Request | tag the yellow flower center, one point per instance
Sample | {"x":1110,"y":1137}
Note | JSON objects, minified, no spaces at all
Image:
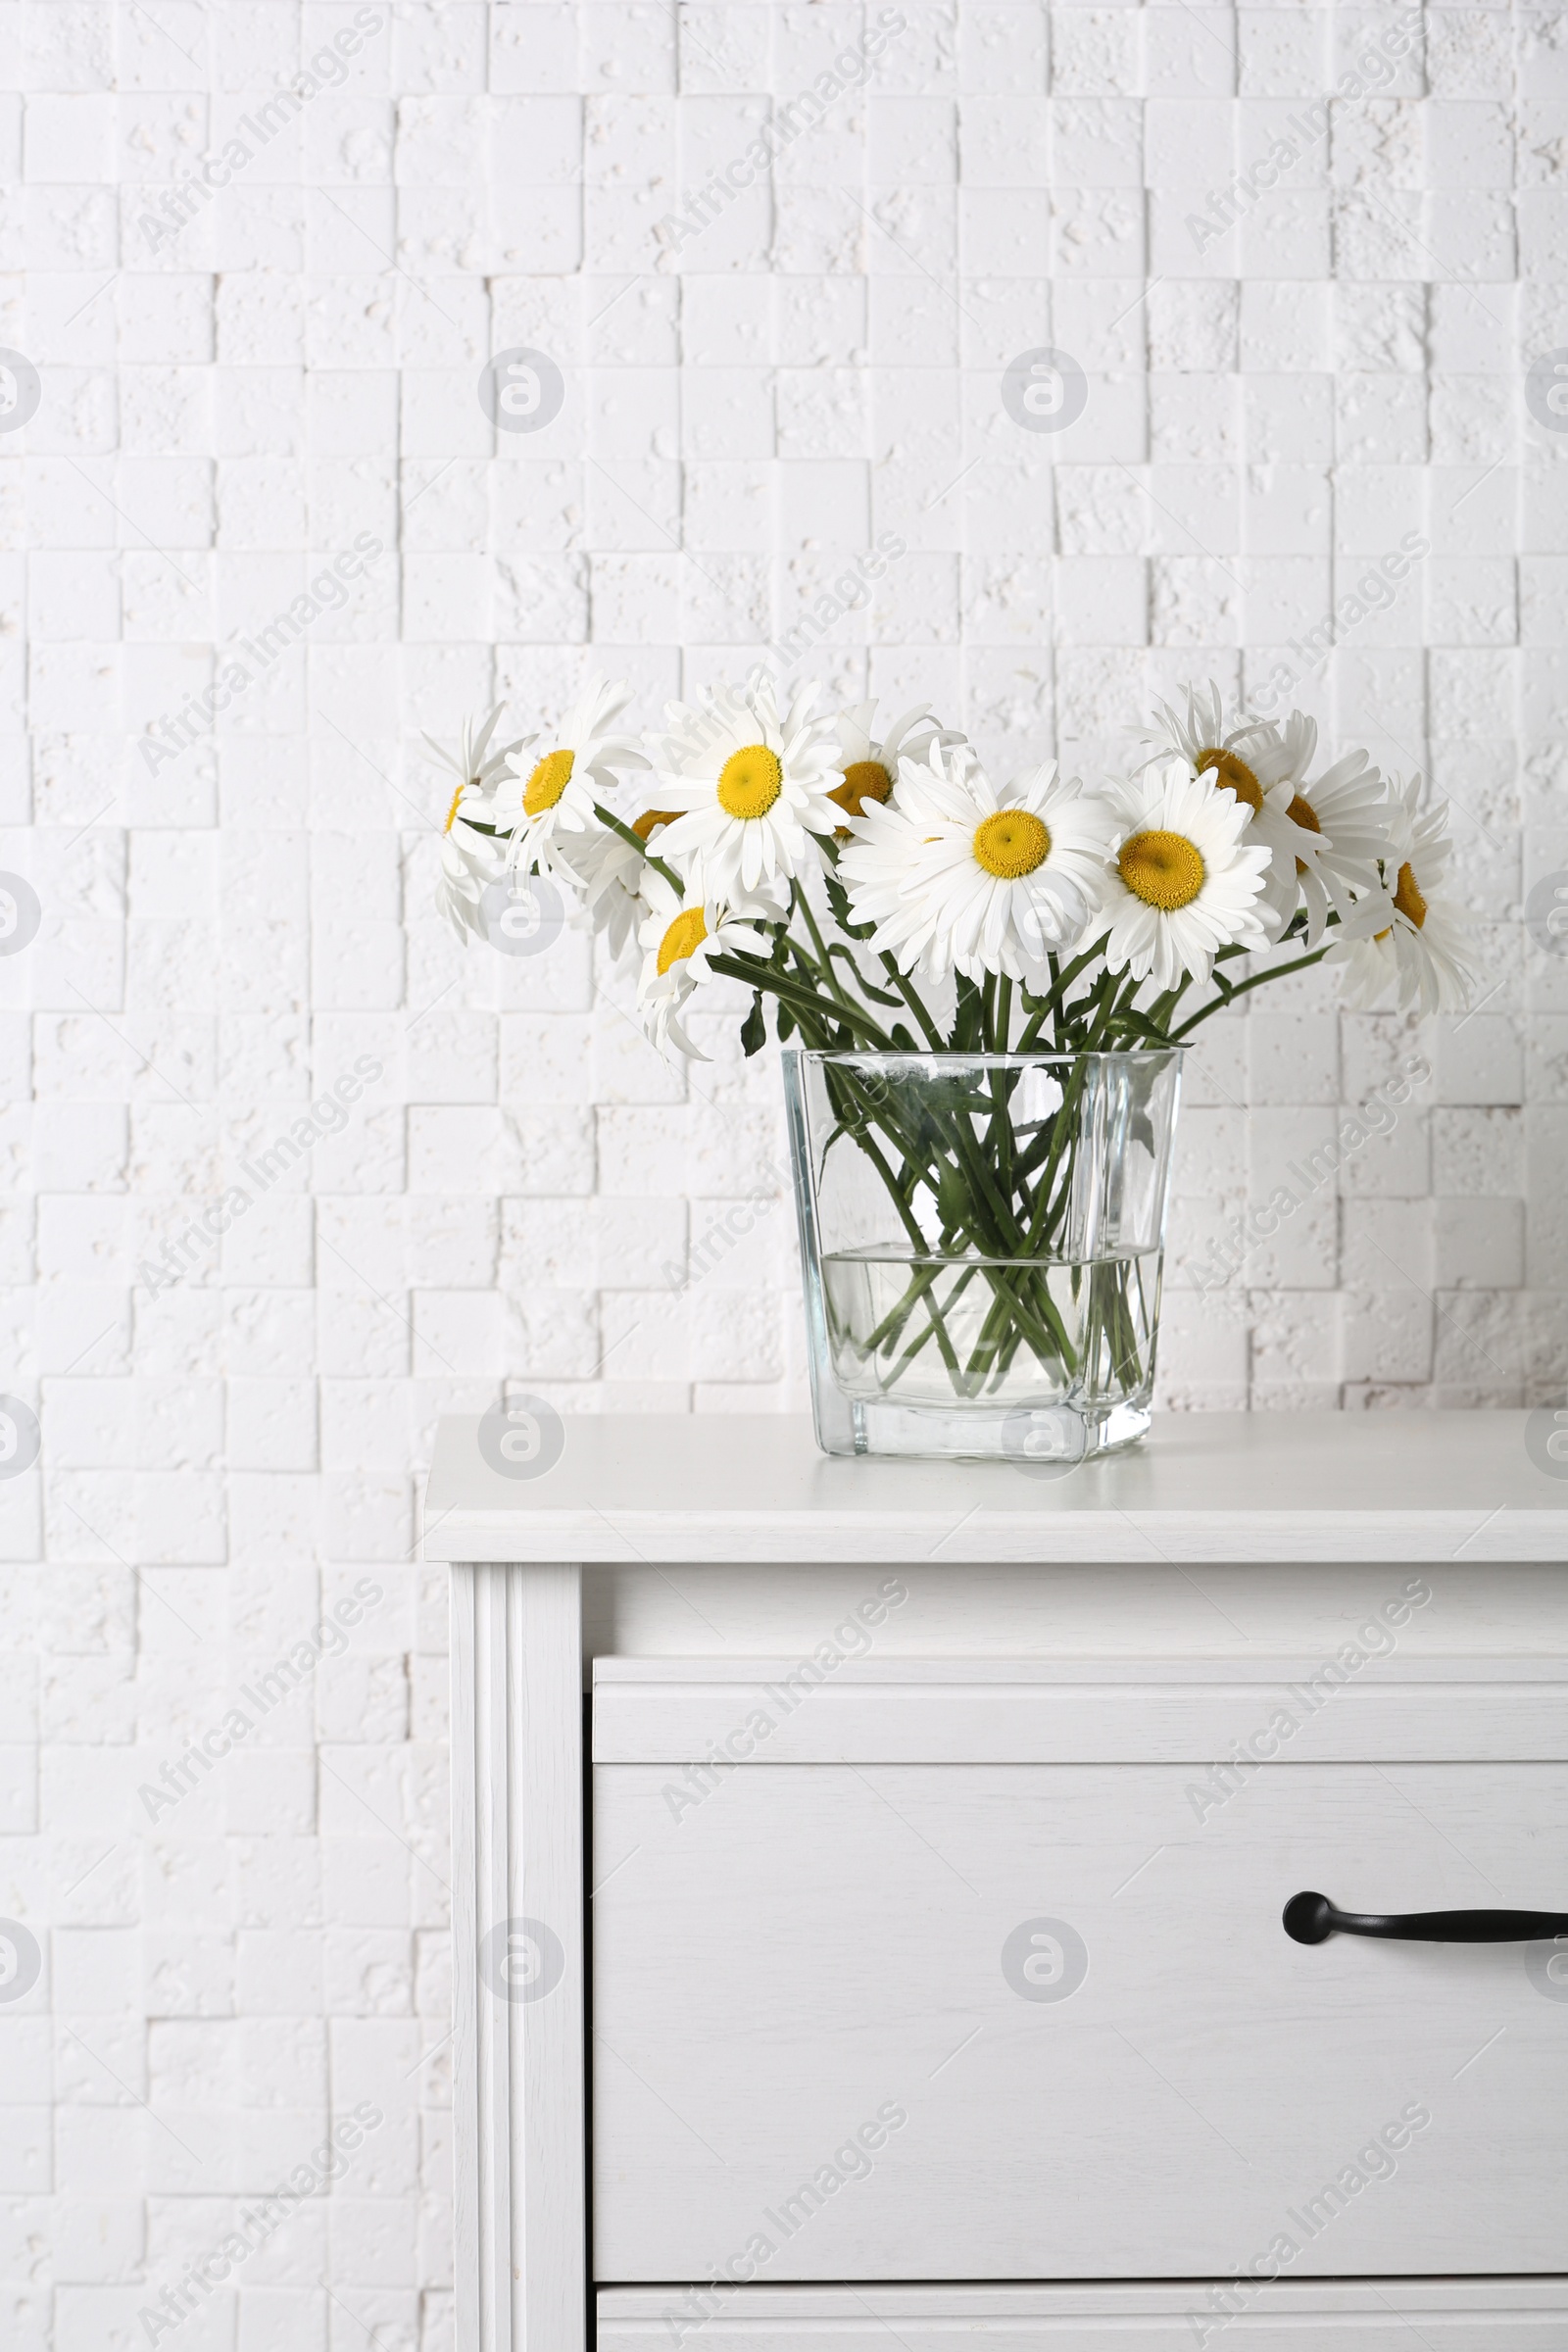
{"x":1302,"y":812}
{"x":1011,"y":844}
{"x":750,"y":781}
{"x":1409,"y":900}
{"x":685,"y":935}
{"x":863,"y":780}
{"x":548,"y":782}
{"x":1163,"y":869}
{"x":457,"y":804}
{"x":1232,"y":774}
{"x":648,"y":825}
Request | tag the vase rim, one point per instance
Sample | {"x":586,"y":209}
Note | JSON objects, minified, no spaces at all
{"x":1025,"y":1060}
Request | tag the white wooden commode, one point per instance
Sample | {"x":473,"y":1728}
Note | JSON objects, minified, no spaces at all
{"x":937,"y":1830}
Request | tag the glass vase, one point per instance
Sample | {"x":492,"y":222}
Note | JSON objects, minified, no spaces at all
{"x":982,"y":1236}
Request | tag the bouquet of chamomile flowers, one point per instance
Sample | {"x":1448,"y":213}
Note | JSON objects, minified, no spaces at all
{"x":897,"y":905}
{"x":886,"y":893}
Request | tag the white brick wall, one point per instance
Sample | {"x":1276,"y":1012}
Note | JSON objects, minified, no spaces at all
{"x":222,"y":938}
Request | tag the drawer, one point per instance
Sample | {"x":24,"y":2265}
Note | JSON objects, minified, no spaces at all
{"x":938,"y":2018}
{"x":1502,"y":2315}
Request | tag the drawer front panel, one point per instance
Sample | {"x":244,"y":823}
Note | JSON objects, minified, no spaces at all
{"x":1359,"y":1702}
{"x":936,"y":2022}
{"x":1305,"y":1718}
{"x":1516,"y":2314}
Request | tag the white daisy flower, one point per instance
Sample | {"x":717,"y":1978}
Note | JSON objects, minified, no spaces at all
{"x":750,"y":788}
{"x":680,"y":935}
{"x":1411,"y":933}
{"x":548,"y":799}
{"x":961,"y":876}
{"x":609,"y":871}
{"x":868,"y":763}
{"x":1185,"y":880}
{"x":1348,"y":809}
{"x":1264,"y":765}
{"x":1199,"y":736}
{"x":471,"y":857}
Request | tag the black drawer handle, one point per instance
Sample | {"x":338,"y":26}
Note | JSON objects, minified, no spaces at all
{"x":1313,"y":1919}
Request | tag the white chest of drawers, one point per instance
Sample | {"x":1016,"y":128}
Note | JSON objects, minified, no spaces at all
{"x":935,"y":1824}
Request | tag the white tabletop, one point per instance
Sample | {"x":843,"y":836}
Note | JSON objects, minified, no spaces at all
{"x":1252,"y":1487}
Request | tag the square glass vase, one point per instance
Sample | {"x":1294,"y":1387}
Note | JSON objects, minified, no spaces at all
{"x":982,"y":1240}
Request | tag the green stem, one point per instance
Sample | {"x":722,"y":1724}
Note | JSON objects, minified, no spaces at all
{"x":800,"y":900}
{"x":800,"y":999}
{"x":1279,"y":971}
{"x":1055,"y":1004}
{"x":910,"y":997}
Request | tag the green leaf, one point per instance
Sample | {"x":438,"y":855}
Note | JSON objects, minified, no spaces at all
{"x":754,"y":1029}
{"x":787,"y":1023}
{"x":838,"y":898}
{"x":1151,"y":1032}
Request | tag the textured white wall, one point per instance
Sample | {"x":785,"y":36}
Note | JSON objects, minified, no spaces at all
{"x":232,"y":409}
